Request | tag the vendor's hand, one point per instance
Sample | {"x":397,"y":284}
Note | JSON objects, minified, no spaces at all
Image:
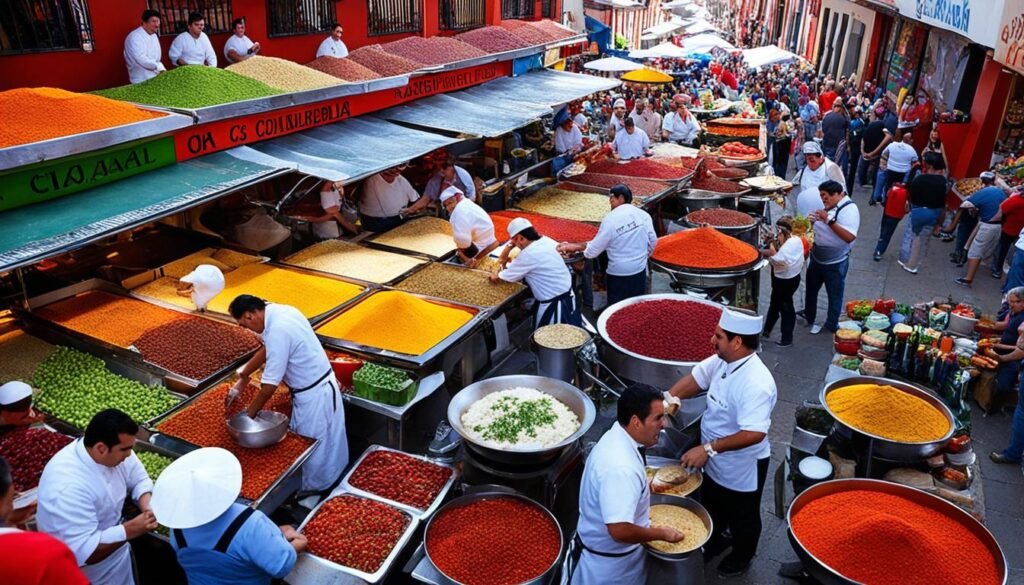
{"x":494,"y":279}
{"x":695,"y":458}
{"x":288,"y":531}
{"x":255,"y":48}
{"x":472,"y":262}
{"x":235,"y":390}
{"x":22,"y":515}
{"x":672,"y":404}
{"x":139,"y":525}
{"x":669,"y":534}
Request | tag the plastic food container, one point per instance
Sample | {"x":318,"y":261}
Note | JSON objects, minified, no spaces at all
{"x":344,"y":367}
{"x":394,"y":396}
{"x":847,"y":347}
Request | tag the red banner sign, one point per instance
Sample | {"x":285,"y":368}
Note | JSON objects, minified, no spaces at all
{"x":223,"y":134}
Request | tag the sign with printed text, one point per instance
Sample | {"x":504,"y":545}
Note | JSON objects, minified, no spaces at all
{"x":223,"y":134}
{"x":1009,"y":48}
{"x":970,"y":18}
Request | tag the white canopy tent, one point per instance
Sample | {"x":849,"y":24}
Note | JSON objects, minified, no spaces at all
{"x":663,"y":29}
{"x":613,"y":64}
{"x":662,"y":50}
{"x":703,"y":43}
{"x":700,"y":26}
{"x":768,"y":56}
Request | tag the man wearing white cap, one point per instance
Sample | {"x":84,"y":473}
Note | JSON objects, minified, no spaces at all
{"x":618,"y":119}
{"x":544,"y":271}
{"x":818,"y":170}
{"x":734,"y":453}
{"x":680,"y":126}
{"x":631,"y":143}
{"x":82,"y":493}
{"x":472,"y":228}
{"x":218,"y":540}
{"x":16,"y":405}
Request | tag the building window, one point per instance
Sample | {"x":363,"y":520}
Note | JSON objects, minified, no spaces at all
{"x":29,"y":26}
{"x":547,"y":10}
{"x":461,"y":14}
{"x":388,"y":17}
{"x":299,"y":17}
{"x":217,"y":15}
{"x":516,"y":9}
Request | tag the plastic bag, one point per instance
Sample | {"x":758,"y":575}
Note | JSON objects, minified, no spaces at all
{"x":207,"y":282}
{"x":260,"y":232}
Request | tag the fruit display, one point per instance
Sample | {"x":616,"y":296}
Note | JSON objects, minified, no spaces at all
{"x":355,"y":532}
{"x":968,"y":187}
{"x":739,"y":151}
{"x":154,"y":463}
{"x":384,"y":384}
{"x":738,"y":128}
{"x":75,"y":386}
{"x":400,"y":478}
{"x":28,"y":451}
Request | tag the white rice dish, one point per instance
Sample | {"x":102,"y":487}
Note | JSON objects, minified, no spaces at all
{"x":519,"y":418}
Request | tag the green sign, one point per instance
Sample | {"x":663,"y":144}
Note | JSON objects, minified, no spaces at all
{"x":64,"y":176}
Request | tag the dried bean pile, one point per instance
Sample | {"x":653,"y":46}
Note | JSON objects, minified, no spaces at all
{"x":190,"y":87}
{"x":195,"y":347}
{"x":496,"y":541}
{"x":400,"y":478}
{"x":555,"y":30}
{"x":117,"y":320}
{"x":530,"y":34}
{"x":427,"y":235}
{"x":376,"y":59}
{"x":560,"y":336}
{"x":202,"y":424}
{"x":720,"y":218}
{"x":637,"y":168}
{"x":560,"y":230}
{"x":20,"y":354}
{"x":432,"y":51}
{"x":27,"y":451}
{"x":462,"y":285}
{"x":567,"y":204}
{"x":345,"y":69}
{"x":639,"y":187}
{"x":281,"y":74}
{"x":492,"y":39}
{"x":678,"y":331}
{"x":705,"y":248}
{"x":355,"y":532}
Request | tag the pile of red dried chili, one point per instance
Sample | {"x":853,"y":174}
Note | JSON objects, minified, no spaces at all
{"x":499,"y":541}
{"x":560,"y":230}
{"x":639,"y":187}
{"x":645,"y":169}
{"x":705,"y":248}
{"x":720,"y":218}
{"x":885,"y":539}
{"x":400,"y":478}
{"x":355,"y":532}
{"x":678,"y":331}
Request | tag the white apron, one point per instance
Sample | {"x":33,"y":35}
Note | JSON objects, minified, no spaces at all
{"x":319,"y":413}
{"x":598,"y":570}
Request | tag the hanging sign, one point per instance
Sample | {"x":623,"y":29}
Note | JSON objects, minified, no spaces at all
{"x":1009,"y":49}
{"x":970,"y":18}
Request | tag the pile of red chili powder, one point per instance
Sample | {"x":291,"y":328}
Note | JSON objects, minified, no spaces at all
{"x":884,"y":539}
{"x":678,"y":331}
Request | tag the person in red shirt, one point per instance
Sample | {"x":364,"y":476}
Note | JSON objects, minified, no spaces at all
{"x":827,"y":98}
{"x":31,"y":558}
{"x":895,"y":209}
{"x":1011,"y":213}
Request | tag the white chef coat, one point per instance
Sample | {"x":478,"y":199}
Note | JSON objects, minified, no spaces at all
{"x":240,"y":44}
{"x":192,"y":50}
{"x":463,"y":181}
{"x":471,"y":225}
{"x":542,"y":267}
{"x":332,"y":48}
{"x":741,"y":401}
{"x":633,"y":145}
{"x":788,"y":259}
{"x":295,"y":356}
{"x":680,"y":130}
{"x":80,"y":503}
{"x":808,"y":199}
{"x":567,"y":140}
{"x":142,"y":55}
{"x":383,"y":199}
{"x":627,"y":234}
{"x":614,"y":489}
{"x":327,"y":230}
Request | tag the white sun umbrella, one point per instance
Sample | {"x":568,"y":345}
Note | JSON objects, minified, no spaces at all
{"x":613,"y":64}
{"x":662,"y":50}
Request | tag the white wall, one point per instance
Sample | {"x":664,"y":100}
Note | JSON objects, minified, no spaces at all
{"x":865,"y":15}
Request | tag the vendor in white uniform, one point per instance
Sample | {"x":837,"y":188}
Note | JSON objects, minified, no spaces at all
{"x":239,"y":47}
{"x":627,"y":234}
{"x":82,"y":493}
{"x":806,"y":182}
{"x":568,"y":137}
{"x":142,"y":50}
{"x":618,"y":118}
{"x":472,"y":228}
{"x":615,"y":495}
{"x":387,"y":198}
{"x":680,"y":126}
{"x":193,"y":47}
{"x":734,"y":435}
{"x":450,"y":175}
{"x":333,"y":46}
{"x":325,"y":226}
{"x":631,"y":143}
{"x":544,"y":271}
{"x":292,"y":354}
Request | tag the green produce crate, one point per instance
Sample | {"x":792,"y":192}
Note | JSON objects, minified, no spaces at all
{"x":394,"y":394}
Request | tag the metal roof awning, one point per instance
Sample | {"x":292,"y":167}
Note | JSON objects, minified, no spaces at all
{"x":35,"y":232}
{"x":454,"y":113}
{"x":346,"y":151}
{"x":547,"y":87}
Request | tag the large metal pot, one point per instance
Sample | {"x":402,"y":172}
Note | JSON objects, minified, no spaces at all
{"x":476,"y":497}
{"x":694,"y":199}
{"x":829,"y":576}
{"x":639,"y":368}
{"x":887,"y":448}
{"x":564,"y":392}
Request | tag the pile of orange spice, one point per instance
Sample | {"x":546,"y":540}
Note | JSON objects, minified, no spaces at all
{"x":705,"y":248}
{"x":41,"y":113}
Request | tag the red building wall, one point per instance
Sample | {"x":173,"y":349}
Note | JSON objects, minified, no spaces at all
{"x":112,"y":20}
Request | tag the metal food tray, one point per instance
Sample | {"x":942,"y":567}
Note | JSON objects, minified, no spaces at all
{"x":36,"y":152}
{"x":372,"y":242}
{"x":356,"y":280}
{"x":416,"y":512}
{"x":494,"y":311}
{"x":643,"y":200}
{"x":479,"y":316}
{"x":306,"y":574}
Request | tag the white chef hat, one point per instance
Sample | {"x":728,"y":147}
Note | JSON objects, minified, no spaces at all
{"x":517,"y":225}
{"x":14,"y":391}
{"x":197,"y":488}
{"x":812,"y":147}
{"x":619,"y":103}
{"x":989,"y":175}
{"x":741,"y":323}
{"x":449,"y":193}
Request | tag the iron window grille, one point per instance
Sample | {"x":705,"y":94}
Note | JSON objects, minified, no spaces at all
{"x":217,"y":15}
{"x":515,"y":9}
{"x":32,"y":26}
{"x":461,"y":14}
{"x":388,"y":17}
{"x":299,"y":17}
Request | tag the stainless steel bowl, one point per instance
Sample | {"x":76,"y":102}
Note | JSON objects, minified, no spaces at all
{"x":691,"y":505}
{"x":476,"y":497}
{"x":829,"y":576}
{"x":571,"y":396}
{"x":888,"y":448}
{"x":268,"y":428}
